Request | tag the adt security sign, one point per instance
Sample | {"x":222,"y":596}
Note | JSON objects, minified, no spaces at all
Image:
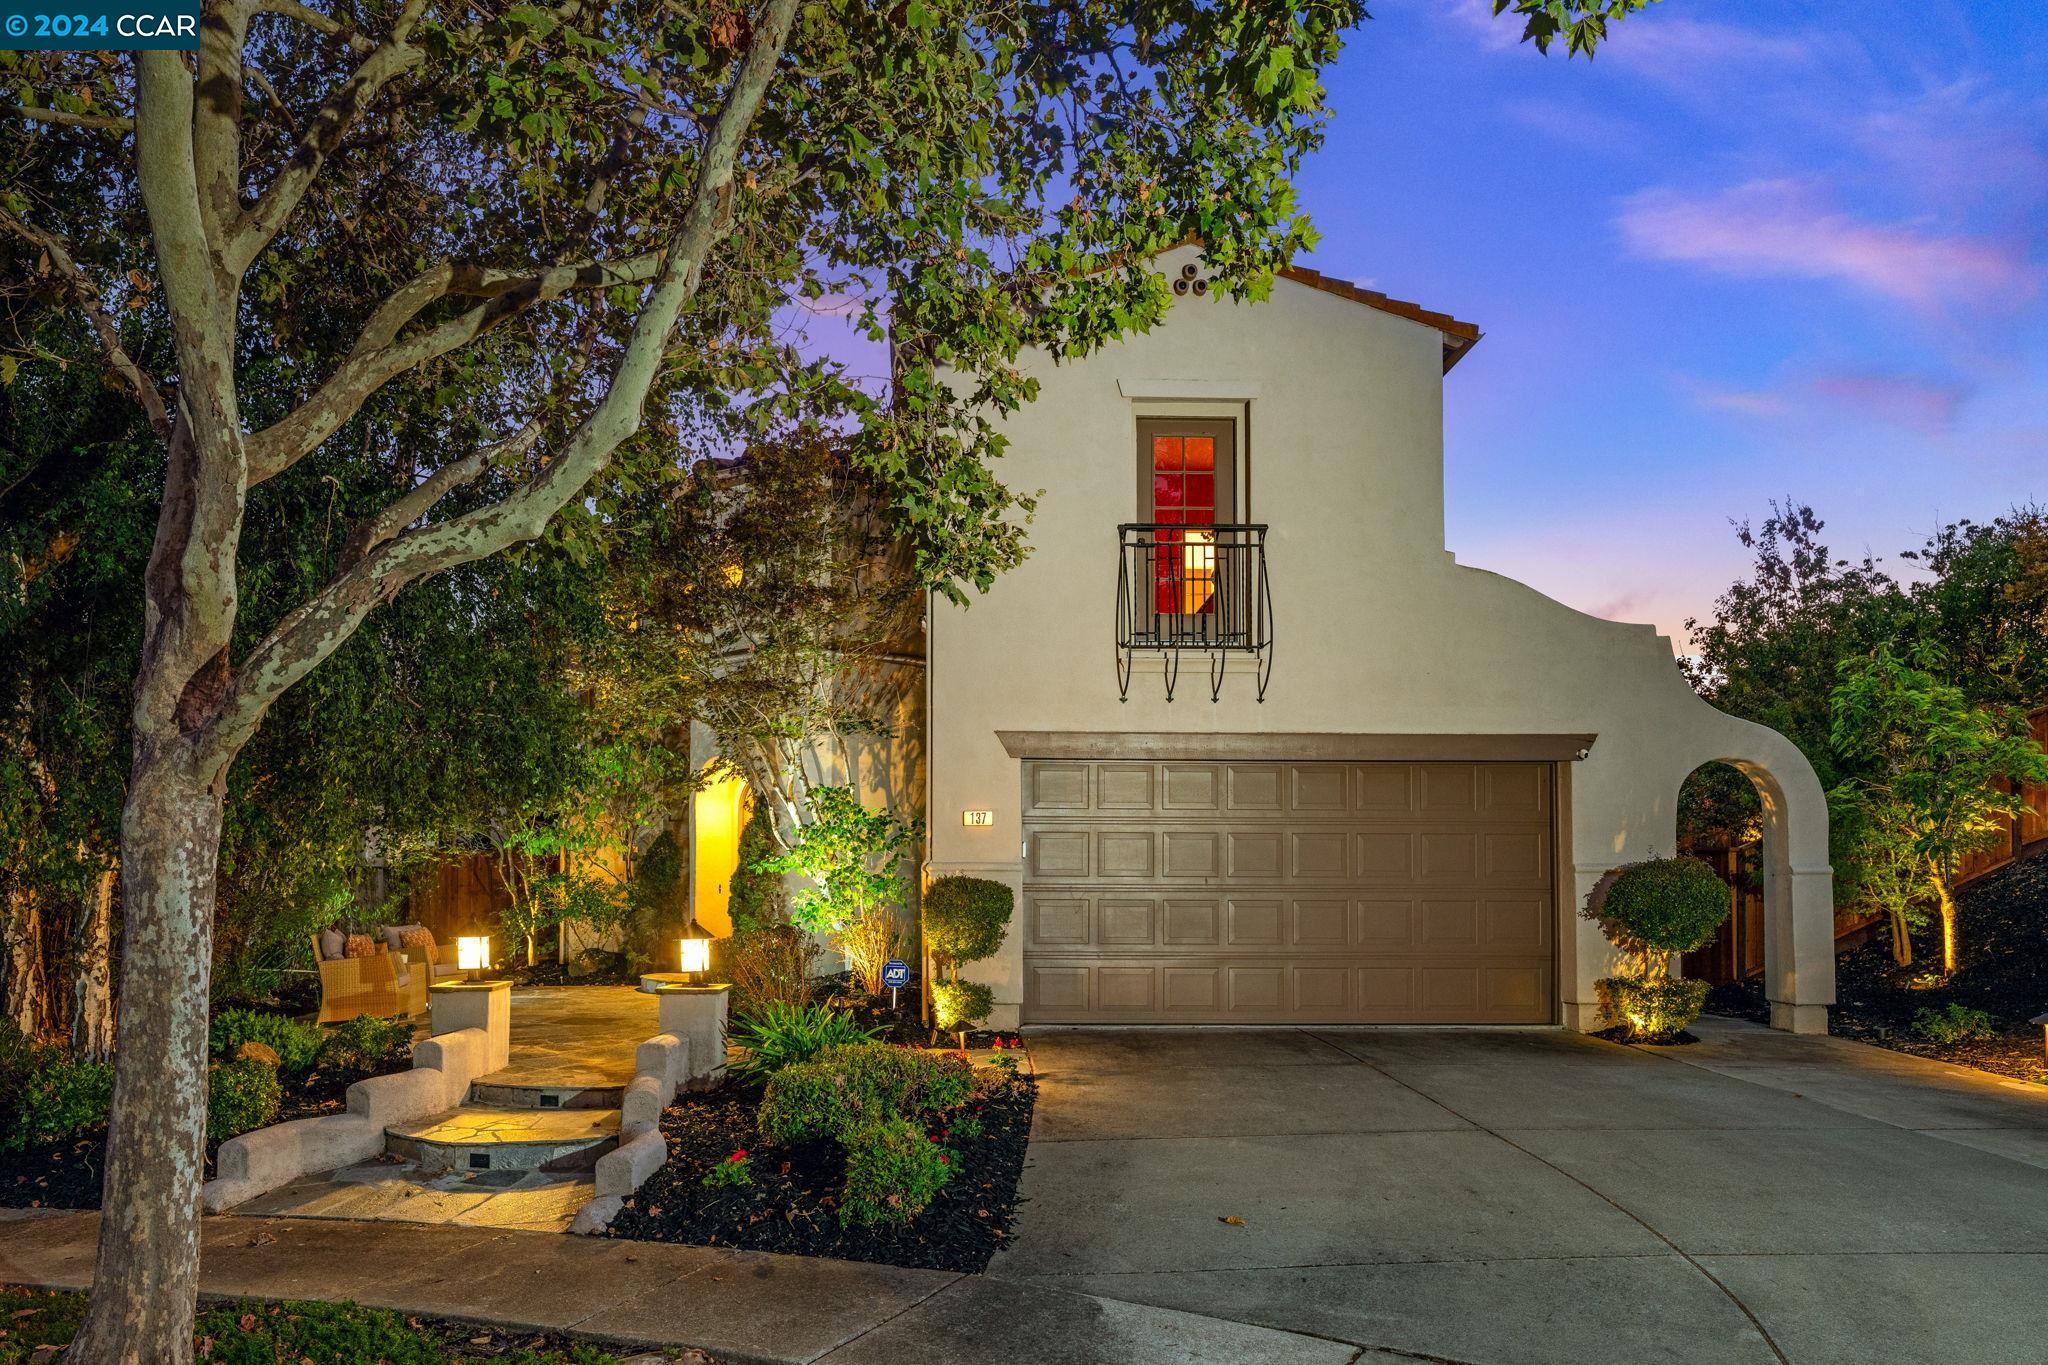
{"x":895,"y":975}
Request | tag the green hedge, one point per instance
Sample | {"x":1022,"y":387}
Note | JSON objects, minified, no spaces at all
{"x":46,"y":1093}
{"x":1651,"y":1011}
{"x":851,"y":1086}
{"x":961,"y":1004}
{"x":366,"y":1046}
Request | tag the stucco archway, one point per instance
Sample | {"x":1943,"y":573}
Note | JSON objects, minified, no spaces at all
{"x":1798,"y":886}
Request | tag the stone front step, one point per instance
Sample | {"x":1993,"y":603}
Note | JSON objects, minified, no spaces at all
{"x":489,"y":1138}
{"x":502,"y":1091}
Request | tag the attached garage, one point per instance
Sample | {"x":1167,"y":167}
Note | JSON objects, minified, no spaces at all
{"x":1273,"y":892}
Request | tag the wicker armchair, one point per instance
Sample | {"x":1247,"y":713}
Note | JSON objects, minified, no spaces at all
{"x":383,"y":984}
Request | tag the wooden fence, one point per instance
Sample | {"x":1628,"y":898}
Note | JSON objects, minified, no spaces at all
{"x":2029,"y":829}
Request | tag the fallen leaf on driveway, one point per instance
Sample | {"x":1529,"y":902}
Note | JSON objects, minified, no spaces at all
{"x":1232,"y":1219}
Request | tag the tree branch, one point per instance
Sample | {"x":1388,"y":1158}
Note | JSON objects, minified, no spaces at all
{"x":319,"y":22}
{"x":254,"y":229}
{"x":418,"y":500}
{"x":378,"y":356}
{"x":82,"y":288}
{"x":319,"y":627}
{"x":109,"y":122}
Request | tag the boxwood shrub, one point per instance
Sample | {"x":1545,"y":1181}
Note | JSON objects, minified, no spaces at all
{"x":893,"y":1172}
{"x":1651,"y":1010}
{"x":961,"y":1004}
{"x":850,"y":1086}
{"x":296,"y":1042}
{"x":240,"y":1096}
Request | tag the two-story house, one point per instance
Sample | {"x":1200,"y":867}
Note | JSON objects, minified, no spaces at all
{"x":1253,"y":747}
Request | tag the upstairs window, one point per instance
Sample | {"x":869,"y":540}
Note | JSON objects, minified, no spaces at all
{"x":1187,"y":477}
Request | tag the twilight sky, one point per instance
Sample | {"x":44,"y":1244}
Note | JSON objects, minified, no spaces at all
{"x":1757,"y":248}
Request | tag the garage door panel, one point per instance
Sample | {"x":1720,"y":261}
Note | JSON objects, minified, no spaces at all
{"x":1277,"y":892}
{"x":1191,"y":853}
{"x":1057,"y":922}
{"x":1252,"y":789}
{"x":1055,"y":789}
{"x":1318,"y":789}
{"x":1124,"y":853}
{"x":1126,"y":923}
{"x":1191,"y":788}
{"x":1191,"y":923}
{"x":1055,"y":855}
{"x":1121,"y":787}
{"x":1254,"y":922}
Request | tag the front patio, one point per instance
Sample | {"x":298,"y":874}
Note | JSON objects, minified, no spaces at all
{"x":544,"y":1119}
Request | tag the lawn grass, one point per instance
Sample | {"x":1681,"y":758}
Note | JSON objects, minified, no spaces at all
{"x":34,"y":1324}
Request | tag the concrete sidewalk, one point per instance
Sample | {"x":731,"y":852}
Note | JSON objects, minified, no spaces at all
{"x":740,"y":1306}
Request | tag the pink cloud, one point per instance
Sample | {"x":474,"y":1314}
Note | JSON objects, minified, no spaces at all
{"x":1921,"y":403}
{"x":1785,"y":228}
{"x":1911,"y":401}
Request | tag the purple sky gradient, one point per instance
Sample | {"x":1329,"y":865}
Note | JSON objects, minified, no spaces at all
{"x":1756,"y":249}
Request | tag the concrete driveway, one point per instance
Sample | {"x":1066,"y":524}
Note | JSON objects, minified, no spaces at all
{"x":1530,"y":1196}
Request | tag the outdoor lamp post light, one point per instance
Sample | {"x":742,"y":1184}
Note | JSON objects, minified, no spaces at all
{"x":694,"y":952}
{"x":473,"y":955}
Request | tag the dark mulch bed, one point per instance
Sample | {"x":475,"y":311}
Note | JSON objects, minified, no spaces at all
{"x":2004,"y":972}
{"x":66,"y":1174}
{"x":792,"y":1206}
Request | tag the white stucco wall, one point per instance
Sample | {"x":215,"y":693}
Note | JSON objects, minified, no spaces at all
{"x":1378,"y":629}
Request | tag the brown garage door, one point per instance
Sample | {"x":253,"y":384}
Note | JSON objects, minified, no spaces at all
{"x":1274,"y":892}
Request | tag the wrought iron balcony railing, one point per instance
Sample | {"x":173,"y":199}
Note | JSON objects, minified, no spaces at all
{"x":1193,"y":588}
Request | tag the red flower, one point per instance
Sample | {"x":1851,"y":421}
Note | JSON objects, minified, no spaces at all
{"x":740,"y":1155}
{"x":945,"y":1160}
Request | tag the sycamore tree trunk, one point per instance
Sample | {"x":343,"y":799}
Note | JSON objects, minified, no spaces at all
{"x":26,"y":982}
{"x":1902,"y":938}
{"x":147,"y":1276}
{"x":92,"y":976}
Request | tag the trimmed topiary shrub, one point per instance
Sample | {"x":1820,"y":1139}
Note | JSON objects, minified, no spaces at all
{"x":893,"y":1172}
{"x":964,"y":921}
{"x":240,"y":1097}
{"x":296,"y":1042}
{"x":959,"y":1005}
{"x":965,"y":918}
{"x":1651,"y":910}
{"x":1665,"y":905}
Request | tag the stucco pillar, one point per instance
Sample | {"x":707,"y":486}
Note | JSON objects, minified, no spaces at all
{"x":487,"y":1005}
{"x":696,"y":1014}
{"x":1799,"y":947}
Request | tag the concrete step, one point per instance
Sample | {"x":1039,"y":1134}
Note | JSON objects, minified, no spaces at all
{"x":480,"y":1137}
{"x":501,"y":1091}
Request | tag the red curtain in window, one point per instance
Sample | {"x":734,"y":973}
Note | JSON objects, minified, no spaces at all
{"x":1184,"y":494}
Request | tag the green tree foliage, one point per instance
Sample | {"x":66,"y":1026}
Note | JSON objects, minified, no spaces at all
{"x":1936,"y":779}
{"x":853,"y":858}
{"x":758,"y":900}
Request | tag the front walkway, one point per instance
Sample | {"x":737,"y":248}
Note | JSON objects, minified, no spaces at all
{"x":1531,"y":1196}
{"x":574,"y":1043}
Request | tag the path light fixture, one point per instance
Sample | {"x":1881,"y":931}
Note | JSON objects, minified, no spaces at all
{"x":694,"y":953}
{"x":2042,"y":1020}
{"x":473,"y":955}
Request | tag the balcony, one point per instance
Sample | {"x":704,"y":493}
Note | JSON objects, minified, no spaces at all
{"x":1199,"y":589}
